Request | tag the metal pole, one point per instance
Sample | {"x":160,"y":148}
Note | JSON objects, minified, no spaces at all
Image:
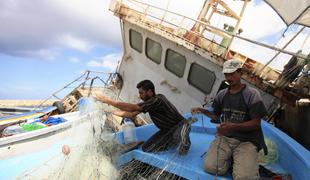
{"x":54,"y":94}
{"x":236,"y":26}
{"x":165,"y":12}
{"x":261,"y":70}
{"x":83,"y":86}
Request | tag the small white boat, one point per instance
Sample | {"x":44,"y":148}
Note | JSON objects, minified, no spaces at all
{"x":73,"y":148}
{"x":56,"y":152}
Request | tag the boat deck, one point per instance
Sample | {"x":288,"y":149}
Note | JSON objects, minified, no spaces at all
{"x":175,"y":163}
{"x":189,"y":166}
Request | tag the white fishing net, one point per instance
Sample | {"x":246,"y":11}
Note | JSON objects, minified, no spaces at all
{"x":88,"y":150}
{"x":97,"y":154}
{"x":136,"y":169}
{"x":163,"y":153}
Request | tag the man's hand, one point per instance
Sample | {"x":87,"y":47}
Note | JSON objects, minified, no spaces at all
{"x":225,"y":129}
{"x":103,"y":99}
{"x":118,"y":104}
{"x":210,"y":114}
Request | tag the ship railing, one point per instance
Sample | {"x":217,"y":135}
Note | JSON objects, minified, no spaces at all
{"x":182,"y":26}
{"x":80,"y":82}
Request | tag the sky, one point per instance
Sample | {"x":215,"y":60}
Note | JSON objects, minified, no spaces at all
{"x":46,"y":44}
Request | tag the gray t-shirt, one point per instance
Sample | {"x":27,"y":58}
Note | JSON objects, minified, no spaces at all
{"x":241,"y":107}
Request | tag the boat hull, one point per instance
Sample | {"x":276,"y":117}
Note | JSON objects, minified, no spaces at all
{"x":51,"y":153}
{"x":293,"y":159}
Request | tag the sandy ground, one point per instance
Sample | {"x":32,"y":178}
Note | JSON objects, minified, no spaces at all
{"x":14,"y":103}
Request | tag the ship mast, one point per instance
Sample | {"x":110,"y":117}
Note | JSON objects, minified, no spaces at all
{"x":212,"y":7}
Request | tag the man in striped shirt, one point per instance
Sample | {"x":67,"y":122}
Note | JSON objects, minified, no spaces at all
{"x":173,"y":128}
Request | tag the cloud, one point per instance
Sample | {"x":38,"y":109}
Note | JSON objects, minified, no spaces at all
{"x":261,"y":23}
{"x":94,"y":63}
{"x":46,"y":54}
{"x":33,"y":27}
{"x":75,"y":43}
{"x":109,"y":61}
{"x":74,"y":60}
{"x":301,"y":42}
{"x":260,"y":20}
{"x":259,"y":53}
{"x":264,"y":55}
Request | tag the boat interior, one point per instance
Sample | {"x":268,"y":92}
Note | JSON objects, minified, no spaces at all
{"x":283,"y":151}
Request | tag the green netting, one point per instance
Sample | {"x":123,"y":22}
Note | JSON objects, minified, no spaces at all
{"x":32,"y":126}
{"x":272,"y":155}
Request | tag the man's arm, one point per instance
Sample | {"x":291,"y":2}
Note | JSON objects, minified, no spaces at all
{"x":126,"y":114}
{"x":210,"y":114}
{"x":251,"y":125}
{"x":120,"y":105}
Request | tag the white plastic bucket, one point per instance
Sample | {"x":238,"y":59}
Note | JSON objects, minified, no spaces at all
{"x":129,"y":132}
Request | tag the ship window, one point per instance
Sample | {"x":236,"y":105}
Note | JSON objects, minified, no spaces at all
{"x":201,"y":78}
{"x":135,"y":40}
{"x":153,"y":50}
{"x":175,"y":62}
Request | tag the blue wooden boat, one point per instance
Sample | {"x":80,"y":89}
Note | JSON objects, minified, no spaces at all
{"x":293,"y":159}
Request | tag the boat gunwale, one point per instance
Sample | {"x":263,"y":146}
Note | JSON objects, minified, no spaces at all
{"x":28,"y":136}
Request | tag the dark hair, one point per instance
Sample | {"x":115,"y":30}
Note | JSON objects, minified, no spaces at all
{"x":239,"y":70}
{"x":146,"y":85}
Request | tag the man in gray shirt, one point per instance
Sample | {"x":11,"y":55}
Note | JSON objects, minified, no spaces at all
{"x":239,"y":136}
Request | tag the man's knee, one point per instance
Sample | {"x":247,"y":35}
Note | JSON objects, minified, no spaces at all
{"x":213,"y":169}
{"x":213,"y":166}
{"x":245,"y":162}
{"x":245,"y":172}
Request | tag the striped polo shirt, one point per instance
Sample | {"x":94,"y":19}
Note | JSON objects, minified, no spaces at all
{"x":162,"y":112}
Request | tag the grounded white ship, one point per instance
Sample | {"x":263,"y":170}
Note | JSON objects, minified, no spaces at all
{"x":178,"y":55}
